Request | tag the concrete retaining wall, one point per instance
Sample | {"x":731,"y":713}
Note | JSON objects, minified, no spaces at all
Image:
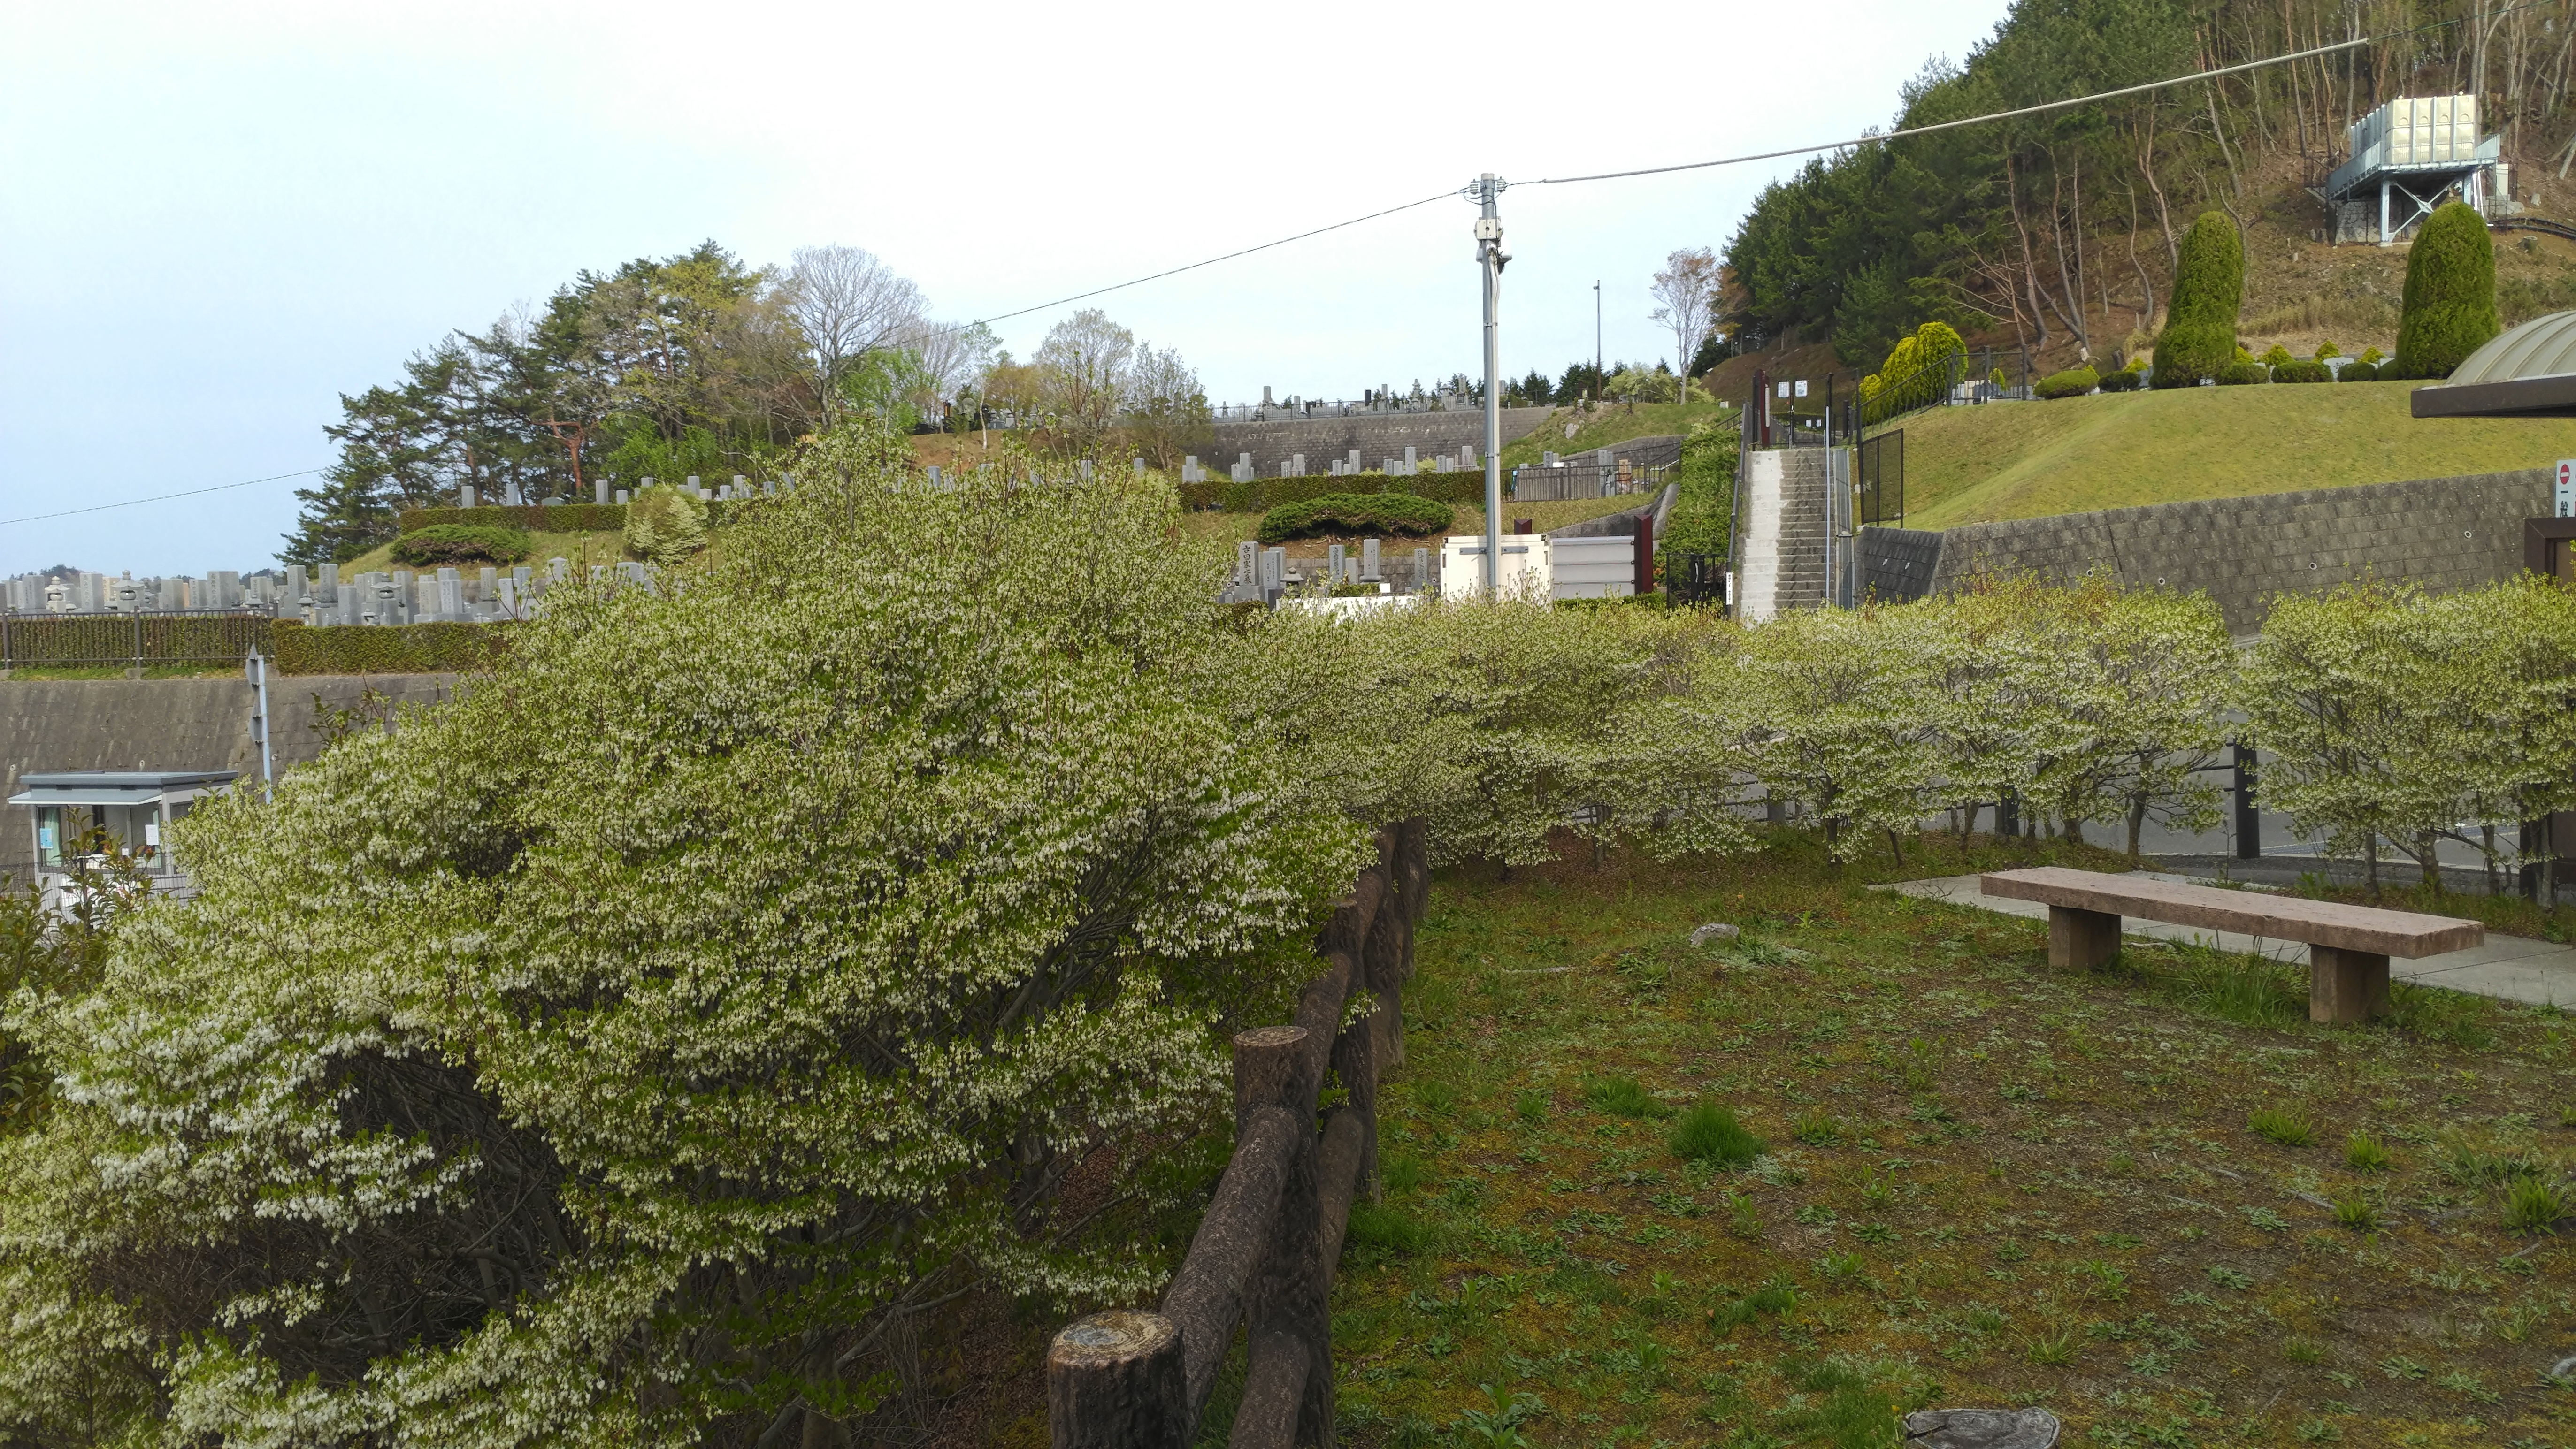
{"x":1378,"y":437}
{"x":166,"y":724}
{"x":2440,"y":533}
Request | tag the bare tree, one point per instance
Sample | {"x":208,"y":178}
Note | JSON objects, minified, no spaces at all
{"x":1167,"y":411}
{"x":848,"y":304}
{"x":1687,"y":287}
{"x":1087,"y":362}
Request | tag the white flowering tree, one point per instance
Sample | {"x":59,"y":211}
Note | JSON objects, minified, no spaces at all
{"x":871,"y":878}
{"x":1833,"y":711}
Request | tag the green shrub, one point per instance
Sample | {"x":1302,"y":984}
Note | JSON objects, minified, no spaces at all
{"x":2121,"y":380}
{"x":2074,"y":382}
{"x":1262,"y":494}
{"x":562,"y":518}
{"x":460,"y":543}
{"x":1400,"y":514}
{"x":1709,"y":1133}
{"x":1624,"y":1097}
{"x":2200,"y":330}
{"x":2276,"y":359}
{"x":2297,"y":370}
{"x":2534,"y":1205}
{"x":666,"y":524}
{"x":2365,"y":1153}
{"x":2283,"y":1125}
{"x":387,"y":649}
{"x":2373,"y":356}
{"x":2357,"y":372}
{"x":2326,"y":350}
{"x":2240,"y":374}
{"x":2450,"y":308}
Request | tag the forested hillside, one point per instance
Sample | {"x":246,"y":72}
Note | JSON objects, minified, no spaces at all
{"x":2059,"y":232}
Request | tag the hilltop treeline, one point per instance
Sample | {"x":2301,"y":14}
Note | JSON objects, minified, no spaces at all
{"x":2063,"y":228}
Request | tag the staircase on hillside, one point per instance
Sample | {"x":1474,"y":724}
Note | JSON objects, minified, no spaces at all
{"x":1786,"y":494}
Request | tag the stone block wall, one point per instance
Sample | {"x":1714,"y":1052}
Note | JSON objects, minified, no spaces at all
{"x":2440,"y":533}
{"x":1378,"y":437}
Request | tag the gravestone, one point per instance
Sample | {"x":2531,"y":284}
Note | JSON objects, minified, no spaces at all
{"x":1467,"y":457}
{"x":1355,"y":461}
{"x":741,"y":486}
{"x":1422,"y":570}
{"x":1368,"y":561}
{"x":1274,"y":570}
{"x":509,"y":598}
{"x":1547,"y":460}
{"x":560,"y":569}
{"x":1410,"y":468}
{"x":451,"y":595}
{"x":1333,"y":557}
{"x":934,"y":475}
{"x":464,"y":495}
{"x":599,"y":491}
{"x":696,"y":490}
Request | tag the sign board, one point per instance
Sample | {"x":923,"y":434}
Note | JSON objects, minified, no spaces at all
{"x":1802,"y":387}
{"x":2566,"y":500}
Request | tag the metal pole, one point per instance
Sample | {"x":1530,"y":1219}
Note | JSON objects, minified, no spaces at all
{"x":258,"y":670}
{"x":1596,"y":334}
{"x":1490,"y":258}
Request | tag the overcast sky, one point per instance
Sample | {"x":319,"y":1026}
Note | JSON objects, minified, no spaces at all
{"x":215,"y":219}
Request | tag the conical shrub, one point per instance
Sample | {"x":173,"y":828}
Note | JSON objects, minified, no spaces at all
{"x":2200,"y":331}
{"x":2450,"y":294}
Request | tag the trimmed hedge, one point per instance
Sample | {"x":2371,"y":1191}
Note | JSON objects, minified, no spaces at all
{"x":2358,"y":372}
{"x":2073,"y":382}
{"x":386,"y":649}
{"x":562,"y":518}
{"x":2450,"y":307}
{"x":460,"y":543}
{"x":1401,"y":514}
{"x":2300,"y":371}
{"x":2120,"y":379}
{"x":2243,"y":374}
{"x":2199,"y":340}
{"x":1263,"y":494}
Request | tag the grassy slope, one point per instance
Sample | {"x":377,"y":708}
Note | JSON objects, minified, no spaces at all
{"x":1989,"y":1182}
{"x":1613,"y":424}
{"x":2029,"y":460}
{"x":1234,"y":527}
{"x":581,"y":548}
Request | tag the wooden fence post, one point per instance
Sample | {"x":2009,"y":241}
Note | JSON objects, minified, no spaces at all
{"x":1115,"y":1381}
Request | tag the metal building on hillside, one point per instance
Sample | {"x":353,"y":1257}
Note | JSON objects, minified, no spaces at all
{"x":2407,"y":156}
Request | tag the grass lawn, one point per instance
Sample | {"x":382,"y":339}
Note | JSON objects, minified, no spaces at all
{"x":1614,"y":423}
{"x":2030,"y":460}
{"x":581,"y":548}
{"x":2135,"y":1196}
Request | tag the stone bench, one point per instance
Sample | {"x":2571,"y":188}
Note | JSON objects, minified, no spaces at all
{"x":2348,"y":946}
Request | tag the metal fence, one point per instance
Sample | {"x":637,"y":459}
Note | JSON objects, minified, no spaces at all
{"x":1541,"y":483}
{"x":1882,"y":479}
{"x":1694,"y":578}
{"x":189,"y":636}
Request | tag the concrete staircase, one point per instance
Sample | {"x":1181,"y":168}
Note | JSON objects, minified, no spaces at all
{"x":1783,"y":539}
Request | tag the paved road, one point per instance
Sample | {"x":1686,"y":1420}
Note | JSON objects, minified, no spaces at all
{"x":2509,"y":968}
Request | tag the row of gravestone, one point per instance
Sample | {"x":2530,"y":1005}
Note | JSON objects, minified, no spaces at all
{"x":79,"y":591}
{"x":440,"y":596}
{"x":605,"y":490}
{"x":1294,"y":466}
{"x":1265,"y":576}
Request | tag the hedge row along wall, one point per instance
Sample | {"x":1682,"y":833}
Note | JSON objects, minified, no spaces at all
{"x":1263,"y":494}
{"x":385,"y":648}
{"x":562,"y":518}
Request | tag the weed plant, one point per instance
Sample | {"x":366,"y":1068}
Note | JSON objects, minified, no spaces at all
{"x":2283,"y":1125}
{"x":1710,"y":1133}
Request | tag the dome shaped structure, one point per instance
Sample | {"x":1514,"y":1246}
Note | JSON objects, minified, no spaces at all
{"x":2528,"y":370}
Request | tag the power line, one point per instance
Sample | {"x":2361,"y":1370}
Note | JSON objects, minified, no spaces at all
{"x":164,"y":498}
{"x":2198,"y":75}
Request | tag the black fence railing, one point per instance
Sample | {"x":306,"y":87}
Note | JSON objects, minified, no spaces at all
{"x":1694,"y":578}
{"x":210,"y":636}
{"x":1881,"y":480}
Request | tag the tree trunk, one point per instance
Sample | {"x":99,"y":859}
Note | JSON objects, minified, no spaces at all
{"x":2146,"y":288}
{"x":2029,"y":264}
{"x":2137,"y":822}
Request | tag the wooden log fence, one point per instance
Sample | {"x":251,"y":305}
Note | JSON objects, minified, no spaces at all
{"x":1264,"y":1254}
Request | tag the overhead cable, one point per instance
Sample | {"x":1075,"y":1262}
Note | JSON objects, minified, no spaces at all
{"x":163,"y":498}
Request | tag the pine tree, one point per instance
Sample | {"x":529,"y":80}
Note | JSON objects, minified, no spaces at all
{"x":2209,"y":287}
{"x":2450,"y":294}
{"x":347,"y":514}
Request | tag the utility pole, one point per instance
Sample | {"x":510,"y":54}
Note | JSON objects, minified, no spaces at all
{"x":1596,"y":332}
{"x":1490,"y":258}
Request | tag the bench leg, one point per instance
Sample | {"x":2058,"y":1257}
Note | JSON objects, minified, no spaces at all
{"x":2081,"y":939}
{"x":2346,"y":985}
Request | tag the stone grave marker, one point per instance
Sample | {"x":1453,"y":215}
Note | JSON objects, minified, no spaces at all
{"x":1368,"y":561}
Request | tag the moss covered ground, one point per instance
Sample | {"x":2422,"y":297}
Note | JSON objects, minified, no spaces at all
{"x":2116,"y":450}
{"x":2152,"y":1198}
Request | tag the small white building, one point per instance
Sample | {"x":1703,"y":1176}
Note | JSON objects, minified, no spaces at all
{"x":1535,"y":565}
{"x":137,"y":807}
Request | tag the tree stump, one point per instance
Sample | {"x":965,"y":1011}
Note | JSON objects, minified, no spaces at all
{"x":1115,"y":1381}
